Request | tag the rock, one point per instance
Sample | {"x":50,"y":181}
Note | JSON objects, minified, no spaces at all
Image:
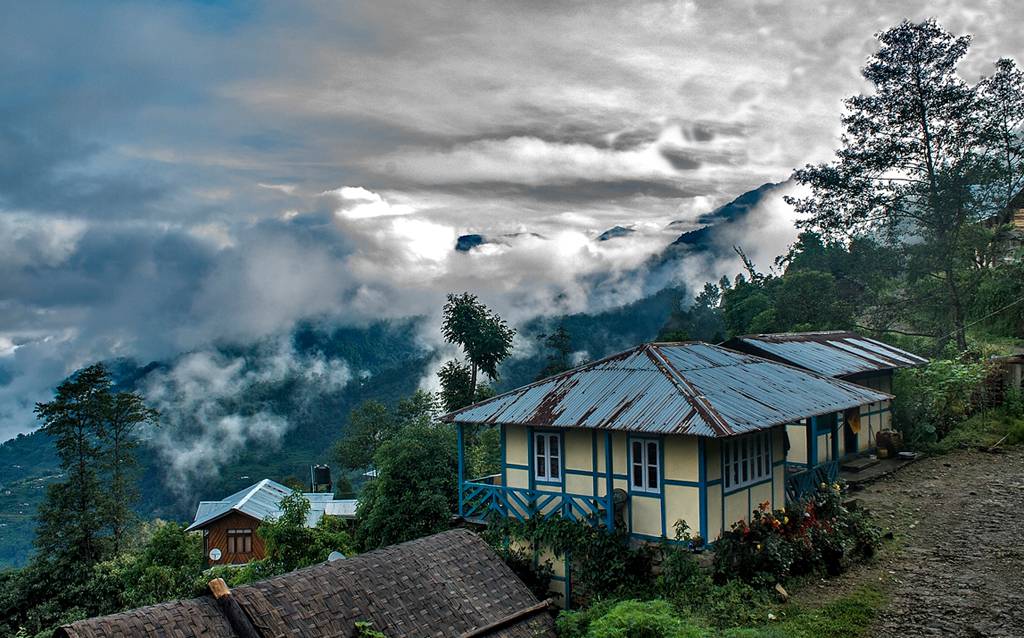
{"x":781,"y":591}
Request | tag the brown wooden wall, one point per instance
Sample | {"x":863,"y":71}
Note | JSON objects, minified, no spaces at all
{"x":216,"y":535}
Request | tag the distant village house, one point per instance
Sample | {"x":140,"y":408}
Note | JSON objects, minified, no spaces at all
{"x":229,"y":525}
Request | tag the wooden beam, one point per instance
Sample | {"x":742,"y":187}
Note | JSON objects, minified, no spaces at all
{"x":508,"y":620}
{"x":232,"y":610}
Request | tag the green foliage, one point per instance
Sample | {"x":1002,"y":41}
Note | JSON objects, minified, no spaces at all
{"x":415,"y":489}
{"x":813,"y":536}
{"x":1004,"y":425}
{"x":291,"y":545}
{"x":926,"y":159}
{"x":641,"y":619}
{"x":934,"y":398}
{"x":558,"y":348}
{"x":485,"y":338}
{"x":163,"y":566}
{"x":701,"y":321}
{"x":364,"y":629}
{"x":604,"y":564}
{"x":369,"y":424}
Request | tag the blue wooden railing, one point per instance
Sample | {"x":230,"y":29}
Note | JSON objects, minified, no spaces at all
{"x":483,"y":499}
{"x":802,"y":484}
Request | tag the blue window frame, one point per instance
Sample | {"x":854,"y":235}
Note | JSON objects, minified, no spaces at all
{"x":547,"y":457}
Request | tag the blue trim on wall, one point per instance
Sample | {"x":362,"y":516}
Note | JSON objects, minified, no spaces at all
{"x":530,"y":460}
{"x":593,"y":458}
{"x":608,"y":479}
{"x":462,"y":464}
{"x":702,"y":486}
{"x":504,"y":457}
{"x":517,"y":466}
{"x":661,"y":481}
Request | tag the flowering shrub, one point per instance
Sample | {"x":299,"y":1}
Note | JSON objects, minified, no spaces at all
{"x":817,"y":534}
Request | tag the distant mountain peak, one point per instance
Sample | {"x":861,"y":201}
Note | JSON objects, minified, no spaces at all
{"x":615,"y":231}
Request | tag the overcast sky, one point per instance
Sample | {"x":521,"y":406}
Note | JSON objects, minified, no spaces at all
{"x":174,"y":174}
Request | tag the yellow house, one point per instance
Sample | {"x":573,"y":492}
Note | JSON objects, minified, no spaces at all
{"x":841,"y":355}
{"x":659,"y":433}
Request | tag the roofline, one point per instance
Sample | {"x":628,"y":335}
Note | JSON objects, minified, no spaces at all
{"x":880,"y":368}
{"x":207,"y":522}
{"x":449,"y":417}
{"x":727,"y":432}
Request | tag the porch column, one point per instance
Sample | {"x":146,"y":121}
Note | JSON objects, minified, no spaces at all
{"x":462,"y":463}
{"x":609,"y":482}
{"x":812,"y":442}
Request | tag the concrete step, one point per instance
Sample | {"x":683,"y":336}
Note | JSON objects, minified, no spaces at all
{"x":858,"y":465}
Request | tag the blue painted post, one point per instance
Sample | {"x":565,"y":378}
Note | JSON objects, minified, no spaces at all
{"x":702,"y":480}
{"x":812,"y":443}
{"x":462,"y":464}
{"x":609,"y":483}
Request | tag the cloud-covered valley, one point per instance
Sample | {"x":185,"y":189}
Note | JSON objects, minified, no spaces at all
{"x":176,"y":177}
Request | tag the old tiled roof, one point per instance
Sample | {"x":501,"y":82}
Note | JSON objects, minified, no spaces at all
{"x":449,"y":584}
{"x":672,"y":388}
{"x":832,"y":353}
{"x":262,"y":501}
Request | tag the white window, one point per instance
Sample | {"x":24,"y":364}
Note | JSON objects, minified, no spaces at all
{"x":646,"y":474}
{"x":746,"y":459}
{"x":547,"y":457}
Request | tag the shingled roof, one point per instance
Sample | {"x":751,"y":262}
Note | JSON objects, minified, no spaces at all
{"x":672,"y":388}
{"x":449,"y":584}
{"x":834,"y":353}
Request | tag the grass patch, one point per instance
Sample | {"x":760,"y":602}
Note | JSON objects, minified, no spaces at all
{"x":985,"y":429}
{"x":846,"y":617}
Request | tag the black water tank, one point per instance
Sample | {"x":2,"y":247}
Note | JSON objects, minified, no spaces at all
{"x":321,"y":478}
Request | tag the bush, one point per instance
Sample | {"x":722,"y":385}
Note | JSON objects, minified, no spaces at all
{"x":932,"y":400}
{"x":818,"y":534}
{"x":604,"y":564}
{"x":637,"y":619}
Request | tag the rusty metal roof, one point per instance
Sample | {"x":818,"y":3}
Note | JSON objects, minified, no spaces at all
{"x":832,"y":353}
{"x":672,"y":388}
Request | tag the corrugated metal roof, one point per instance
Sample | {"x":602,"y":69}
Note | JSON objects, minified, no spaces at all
{"x":832,"y":353}
{"x":263,"y":501}
{"x":672,"y":388}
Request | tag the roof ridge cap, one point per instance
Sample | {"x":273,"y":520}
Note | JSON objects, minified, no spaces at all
{"x":689,"y":391}
{"x":255,"y":488}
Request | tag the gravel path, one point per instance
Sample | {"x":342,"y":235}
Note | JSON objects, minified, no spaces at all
{"x":960,"y":569}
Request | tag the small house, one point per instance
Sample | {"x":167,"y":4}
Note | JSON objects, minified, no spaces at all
{"x":229,"y":525}
{"x":659,"y":433}
{"x":449,"y":584}
{"x":841,"y":355}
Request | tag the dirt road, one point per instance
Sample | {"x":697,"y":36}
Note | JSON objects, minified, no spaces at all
{"x":959,"y":522}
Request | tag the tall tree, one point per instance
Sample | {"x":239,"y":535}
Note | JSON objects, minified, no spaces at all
{"x":71,"y":519}
{"x":558,"y":345}
{"x":484,"y":337}
{"x":914,"y":165}
{"x":124,"y":413}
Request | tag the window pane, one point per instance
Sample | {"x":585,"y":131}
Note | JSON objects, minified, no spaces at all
{"x":554,"y":468}
{"x":540,"y":458}
{"x":638,"y":475}
{"x":652,"y":476}
{"x":554,"y":449}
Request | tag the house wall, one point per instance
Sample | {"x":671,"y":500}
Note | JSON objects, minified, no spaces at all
{"x":689,"y":466}
{"x":735,"y":505}
{"x":216,"y":535}
{"x":874,"y":417}
{"x":649,"y":516}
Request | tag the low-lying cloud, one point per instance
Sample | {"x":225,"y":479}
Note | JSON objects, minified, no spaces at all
{"x":214,"y":406}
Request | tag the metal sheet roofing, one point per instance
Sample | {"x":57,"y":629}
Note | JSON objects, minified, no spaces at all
{"x":832,"y":353}
{"x":672,"y":388}
{"x":263,"y":501}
